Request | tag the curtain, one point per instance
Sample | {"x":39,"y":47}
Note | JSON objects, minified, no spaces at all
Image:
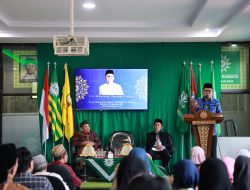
{"x":164,"y":64}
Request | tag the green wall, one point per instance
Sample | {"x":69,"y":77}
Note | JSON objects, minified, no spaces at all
{"x":164,"y":64}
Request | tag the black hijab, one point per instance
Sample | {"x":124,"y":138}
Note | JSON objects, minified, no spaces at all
{"x":214,"y":175}
{"x":241,"y":173}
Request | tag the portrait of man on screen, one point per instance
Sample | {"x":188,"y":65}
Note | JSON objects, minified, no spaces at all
{"x":110,"y":88}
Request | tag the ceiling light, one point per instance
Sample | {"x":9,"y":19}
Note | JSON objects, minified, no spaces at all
{"x":89,"y":5}
{"x":233,"y":45}
{"x":207,"y":29}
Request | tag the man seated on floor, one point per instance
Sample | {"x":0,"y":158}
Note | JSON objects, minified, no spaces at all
{"x":159,"y":143}
{"x":60,"y":159}
{"x":25,"y":167}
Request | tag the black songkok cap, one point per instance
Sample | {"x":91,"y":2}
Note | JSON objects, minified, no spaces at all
{"x":208,"y":85}
{"x":84,"y":123}
{"x":109,"y":72}
{"x":158,"y":121}
{"x":8,"y":158}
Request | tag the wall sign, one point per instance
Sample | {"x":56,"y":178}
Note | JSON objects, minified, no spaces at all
{"x":234,"y":68}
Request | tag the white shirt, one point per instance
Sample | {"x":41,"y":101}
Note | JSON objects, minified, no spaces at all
{"x":110,"y":89}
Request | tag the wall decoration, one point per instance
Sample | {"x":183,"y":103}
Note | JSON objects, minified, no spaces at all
{"x":24,"y":69}
{"x":234,"y":68}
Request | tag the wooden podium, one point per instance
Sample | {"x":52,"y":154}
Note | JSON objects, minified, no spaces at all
{"x":203,"y":125}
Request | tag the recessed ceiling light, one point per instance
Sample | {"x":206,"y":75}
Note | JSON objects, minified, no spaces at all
{"x":207,"y":29}
{"x":89,"y":5}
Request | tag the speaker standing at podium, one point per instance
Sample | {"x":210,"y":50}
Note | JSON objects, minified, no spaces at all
{"x":213,"y":105}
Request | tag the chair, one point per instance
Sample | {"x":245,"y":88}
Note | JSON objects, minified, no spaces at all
{"x":63,"y":172}
{"x":230,"y":126}
{"x":56,"y":183}
{"x":118,"y":138}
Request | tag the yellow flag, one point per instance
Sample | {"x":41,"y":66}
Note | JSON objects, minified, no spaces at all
{"x":66,"y":104}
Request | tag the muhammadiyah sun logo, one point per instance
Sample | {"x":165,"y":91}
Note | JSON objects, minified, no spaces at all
{"x":54,"y":89}
{"x":225,"y":63}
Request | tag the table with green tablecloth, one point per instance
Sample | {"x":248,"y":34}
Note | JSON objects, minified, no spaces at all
{"x":104,"y":167}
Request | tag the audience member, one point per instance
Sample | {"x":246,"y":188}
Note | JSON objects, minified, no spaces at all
{"x":129,"y":167}
{"x":159,"y":143}
{"x":242,"y":173}
{"x":8,"y":168}
{"x":147,"y":159}
{"x":24,"y":176}
{"x":59,"y":165}
{"x":213,"y":175}
{"x":229,"y":162}
{"x":148,"y":182}
{"x":244,"y":152}
{"x":84,"y":137}
{"x":141,"y":154}
{"x":40,"y":169}
{"x":186,"y":175}
{"x":197,"y":155}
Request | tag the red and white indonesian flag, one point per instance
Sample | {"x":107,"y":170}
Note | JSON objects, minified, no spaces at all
{"x":44,"y":111}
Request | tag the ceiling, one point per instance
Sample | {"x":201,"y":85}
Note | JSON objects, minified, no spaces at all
{"x":126,"y":20}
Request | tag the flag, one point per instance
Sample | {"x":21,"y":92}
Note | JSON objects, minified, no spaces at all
{"x":55,"y":107}
{"x":193,"y":103}
{"x":213,"y":80}
{"x":183,"y":101}
{"x":67,"y":111}
{"x":199,"y":86}
{"x":43,"y":110}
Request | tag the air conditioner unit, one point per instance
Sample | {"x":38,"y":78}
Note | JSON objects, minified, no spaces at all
{"x":71,"y":45}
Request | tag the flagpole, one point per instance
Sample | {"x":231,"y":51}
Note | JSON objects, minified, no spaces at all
{"x":200,"y":87}
{"x":66,"y":65}
{"x":182,"y":137}
{"x":190,"y":95}
{"x":45,"y":146}
{"x":54,"y":132}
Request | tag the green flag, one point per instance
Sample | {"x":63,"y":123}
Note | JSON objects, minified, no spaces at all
{"x":218,"y":127}
{"x":199,"y":86}
{"x":212,"y":79}
{"x":55,"y":112}
{"x":183,"y":100}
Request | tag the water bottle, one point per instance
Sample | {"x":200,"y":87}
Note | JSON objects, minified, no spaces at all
{"x":110,"y":154}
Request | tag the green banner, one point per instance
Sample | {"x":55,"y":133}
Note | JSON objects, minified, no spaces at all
{"x":234,"y":68}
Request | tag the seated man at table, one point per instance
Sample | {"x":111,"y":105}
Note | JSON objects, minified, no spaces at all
{"x":85,"y":137}
{"x":159,"y":143}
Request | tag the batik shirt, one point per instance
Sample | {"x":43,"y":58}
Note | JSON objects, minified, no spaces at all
{"x":80,"y":137}
{"x":212,"y":105}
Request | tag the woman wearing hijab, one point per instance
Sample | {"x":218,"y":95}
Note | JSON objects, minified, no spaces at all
{"x":128,"y":168}
{"x":141,"y":154}
{"x":241,"y":173}
{"x":214,"y":176}
{"x":197,"y":155}
{"x":186,"y":176}
{"x":151,"y":167}
{"x":229,"y":162}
